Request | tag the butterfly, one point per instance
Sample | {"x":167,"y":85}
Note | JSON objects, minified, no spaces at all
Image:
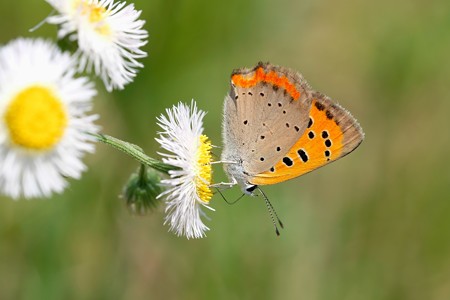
{"x":276,"y":127}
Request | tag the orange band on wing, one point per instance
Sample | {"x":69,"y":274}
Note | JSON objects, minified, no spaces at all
{"x":270,"y":77}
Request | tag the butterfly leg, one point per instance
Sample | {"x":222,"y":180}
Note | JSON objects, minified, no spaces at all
{"x":223,"y":162}
{"x":224,"y":184}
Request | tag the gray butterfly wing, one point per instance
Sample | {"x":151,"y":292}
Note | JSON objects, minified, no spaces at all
{"x":262,"y":117}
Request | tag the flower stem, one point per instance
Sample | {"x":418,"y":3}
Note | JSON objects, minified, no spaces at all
{"x":134,"y":151}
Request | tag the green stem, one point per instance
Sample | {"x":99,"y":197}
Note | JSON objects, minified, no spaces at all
{"x":142,"y":174}
{"x":134,"y":151}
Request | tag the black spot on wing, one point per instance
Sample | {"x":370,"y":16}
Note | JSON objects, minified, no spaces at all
{"x":319,"y":106}
{"x":303,"y":155}
{"x":287,"y":161}
{"x":329,"y":115}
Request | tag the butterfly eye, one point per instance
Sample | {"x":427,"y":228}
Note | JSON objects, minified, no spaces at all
{"x":251,"y":188}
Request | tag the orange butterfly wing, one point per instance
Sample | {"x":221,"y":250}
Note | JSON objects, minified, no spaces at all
{"x":331,"y":134}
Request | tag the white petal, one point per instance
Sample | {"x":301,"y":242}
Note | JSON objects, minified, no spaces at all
{"x":112,"y":55}
{"x":182,"y":128}
{"x":30,"y":174}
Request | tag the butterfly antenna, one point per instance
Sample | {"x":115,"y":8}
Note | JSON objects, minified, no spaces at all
{"x":272,"y":212}
{"x":230,"y":203}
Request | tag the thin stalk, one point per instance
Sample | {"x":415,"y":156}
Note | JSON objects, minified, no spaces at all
{"x":134,"y":151}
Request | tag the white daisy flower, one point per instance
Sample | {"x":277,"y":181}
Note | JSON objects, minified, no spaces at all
{"x":109,"y":36}
{"x":43,"y":121}
{"x":189,"y":187}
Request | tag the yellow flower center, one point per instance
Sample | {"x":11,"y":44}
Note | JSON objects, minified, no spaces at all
{"x":204,"y":170}
{"x":36,"y":119}
{"x":96,"y":15}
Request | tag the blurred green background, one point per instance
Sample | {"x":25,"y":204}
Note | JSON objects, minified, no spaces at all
{"x":375,"y":225}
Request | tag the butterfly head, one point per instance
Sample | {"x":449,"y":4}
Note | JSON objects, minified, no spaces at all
{"x":238,"y":175}
{"x":249,"y":188}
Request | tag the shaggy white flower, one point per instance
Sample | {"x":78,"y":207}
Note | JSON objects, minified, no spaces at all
{"x":109,"y":36}
{"x":43,"y":121}
{"x":189,"y":187}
